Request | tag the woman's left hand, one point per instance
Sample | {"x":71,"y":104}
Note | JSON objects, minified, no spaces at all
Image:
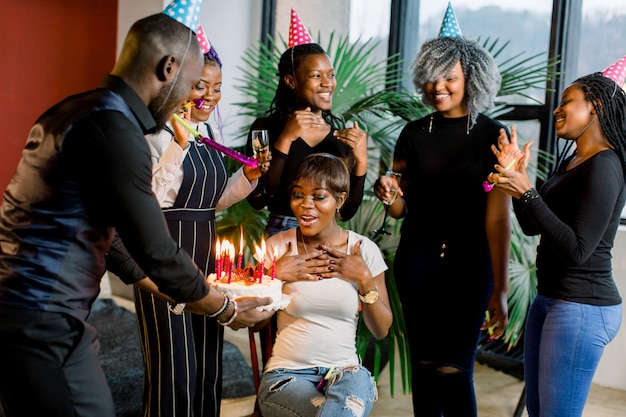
{"x":356,"y":139}
{"x":508,"y":152}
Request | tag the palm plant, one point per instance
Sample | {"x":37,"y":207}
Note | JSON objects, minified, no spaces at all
{"x":362,"y":96}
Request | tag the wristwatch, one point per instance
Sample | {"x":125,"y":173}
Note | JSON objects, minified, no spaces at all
{"x":370,"y":297}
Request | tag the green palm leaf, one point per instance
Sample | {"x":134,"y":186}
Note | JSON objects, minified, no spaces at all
{"x":521,"y":73}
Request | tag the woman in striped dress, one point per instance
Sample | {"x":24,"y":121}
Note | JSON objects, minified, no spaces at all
{"x":183,"y":353}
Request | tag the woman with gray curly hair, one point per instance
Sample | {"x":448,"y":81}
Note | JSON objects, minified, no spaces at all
{"x":449,"y":272}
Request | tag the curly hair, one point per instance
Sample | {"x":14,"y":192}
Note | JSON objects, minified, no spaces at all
{"x":284,"y":102}
{"x":609,"y":101}
{"x":437,"y":58}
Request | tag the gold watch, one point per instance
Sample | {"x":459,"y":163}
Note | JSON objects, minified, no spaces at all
{"x":370,"y":297}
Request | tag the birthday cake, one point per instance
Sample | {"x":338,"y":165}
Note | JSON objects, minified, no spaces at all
{"x":246,"y":285}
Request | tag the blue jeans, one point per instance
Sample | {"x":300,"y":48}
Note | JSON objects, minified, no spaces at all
{"x":350,"y":392}
{"x":278,"y":222}
{"x":562,"y":348}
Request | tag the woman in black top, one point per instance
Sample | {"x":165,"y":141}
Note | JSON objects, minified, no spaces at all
{"x":300,"y":123}
{"x":578,"y":308}
{"x":452,"y":261}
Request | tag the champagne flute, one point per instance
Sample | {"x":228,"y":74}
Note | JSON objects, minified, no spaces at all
{"x":393,"y":194}
{"x":260,"y":145}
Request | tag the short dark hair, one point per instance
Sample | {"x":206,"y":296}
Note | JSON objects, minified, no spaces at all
{"x":160,"y":34}
{"x":329,"y":171}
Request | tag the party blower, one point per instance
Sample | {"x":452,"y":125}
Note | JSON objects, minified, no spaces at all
{"x":231,"y":153}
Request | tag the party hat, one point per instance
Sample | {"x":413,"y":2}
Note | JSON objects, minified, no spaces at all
{"x":450,"y":27}
{"x":298,"y":34}
{"x":617,"y":72}
{"x":186,"y":12}
{"x":207,"y":48}
{"x":204,"y":42}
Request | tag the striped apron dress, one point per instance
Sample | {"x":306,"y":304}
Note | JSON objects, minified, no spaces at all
{"x":183,"y":354}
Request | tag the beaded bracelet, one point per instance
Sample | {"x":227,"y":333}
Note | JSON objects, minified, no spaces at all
{"x":529,"y":195}
{"x":222,"y":309}
{"x":232,"y":318}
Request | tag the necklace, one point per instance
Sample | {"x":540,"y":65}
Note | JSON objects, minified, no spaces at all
{"x":304,"y":244}
{"x":432,"y":116}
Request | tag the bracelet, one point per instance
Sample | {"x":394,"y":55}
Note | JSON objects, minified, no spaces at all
{"x":232,"y":318}
{"x":178,"y":308}
{"x":528,"y":196}
{"x":222,"y":309}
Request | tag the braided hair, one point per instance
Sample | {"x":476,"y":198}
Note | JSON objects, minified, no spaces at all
{"x":609,"y":101}
{"x":285,"y":103}
{"x":437,"y":58}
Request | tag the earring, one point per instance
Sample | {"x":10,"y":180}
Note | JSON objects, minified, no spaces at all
{"x":430,"y":124}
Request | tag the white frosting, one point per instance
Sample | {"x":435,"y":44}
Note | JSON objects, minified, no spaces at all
{"x":267,"y":288}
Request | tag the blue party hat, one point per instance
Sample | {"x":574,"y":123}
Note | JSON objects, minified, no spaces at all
{"x":186,"y":12}
{"x":450,"y":27}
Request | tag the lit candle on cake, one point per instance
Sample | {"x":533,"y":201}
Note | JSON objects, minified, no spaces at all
{"x":240,"y":248}
{"x":226,"y":251}
{"x":263,"y":249}
{"x":260,"y":256}
{"x":231,"y":252}
{"x":274,"y":262}
{"x":218,"y":259}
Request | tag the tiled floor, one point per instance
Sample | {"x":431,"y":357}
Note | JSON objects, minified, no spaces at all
{"x":496,"y":392}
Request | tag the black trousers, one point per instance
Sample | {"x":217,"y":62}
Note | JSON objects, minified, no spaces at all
{"x":49,"y":366}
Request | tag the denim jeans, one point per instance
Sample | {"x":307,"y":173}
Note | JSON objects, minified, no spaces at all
{"x":278,"y":222}
{"x":563,"y":344}
{"x":350,"y":392}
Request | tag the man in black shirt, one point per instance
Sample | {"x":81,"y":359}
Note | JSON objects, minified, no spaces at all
{"x":86,"y":170}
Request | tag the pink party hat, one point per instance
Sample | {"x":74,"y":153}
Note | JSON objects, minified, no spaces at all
{"x":617,"y":72}
{"x":204,"y":42}
{"x":186,"y":12}
{"x":298,"y":34}
{"x":450,"y":27}
{"x":207,"y":48}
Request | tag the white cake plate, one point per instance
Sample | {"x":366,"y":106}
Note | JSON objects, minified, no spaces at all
{"x":276,"y":305}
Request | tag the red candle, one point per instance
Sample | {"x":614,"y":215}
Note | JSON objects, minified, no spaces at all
{"x":261,"y":271}
{"x":227,"y":264}
{"x":274,"y":263}
{"x":231,"y":260}
{"x":240,"y":248}
{"x":263,"y":249}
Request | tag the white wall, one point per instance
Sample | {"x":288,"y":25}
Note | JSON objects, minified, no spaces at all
{"x":612,"y":369}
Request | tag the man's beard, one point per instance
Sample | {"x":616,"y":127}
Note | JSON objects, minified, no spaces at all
{"x":163,"y":106}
